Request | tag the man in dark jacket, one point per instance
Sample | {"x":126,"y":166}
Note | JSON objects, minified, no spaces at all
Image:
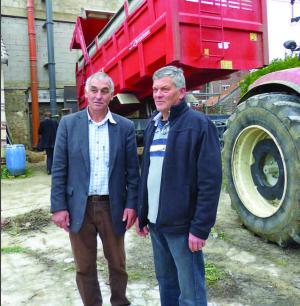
{"x":47,"y":133}
{"x":179,"y":190}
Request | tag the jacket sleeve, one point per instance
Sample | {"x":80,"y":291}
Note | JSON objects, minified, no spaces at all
{"x":209,"y":181}
{"x":132,"y":169}
{"x":59,"y":169}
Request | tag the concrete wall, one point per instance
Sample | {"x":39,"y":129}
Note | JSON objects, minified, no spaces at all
{"x":17,"y":73}
{"x":63,"y":10}
{"x":14,"y":30}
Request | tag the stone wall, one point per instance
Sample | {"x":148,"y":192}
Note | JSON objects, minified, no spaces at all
{"x":17,"y":116}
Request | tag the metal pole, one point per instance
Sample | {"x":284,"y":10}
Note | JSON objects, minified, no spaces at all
{"x":51,"y":61}
{"x":33,"y":73}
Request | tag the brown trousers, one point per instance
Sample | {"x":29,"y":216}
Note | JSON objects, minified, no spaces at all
{"x":84,"y":246}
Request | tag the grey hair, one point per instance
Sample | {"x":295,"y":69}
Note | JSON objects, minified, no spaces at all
{"x":176,"y":74}
{"x":100,"y":76}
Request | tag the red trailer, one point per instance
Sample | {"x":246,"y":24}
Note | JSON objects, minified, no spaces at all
{"x":209,"y":39}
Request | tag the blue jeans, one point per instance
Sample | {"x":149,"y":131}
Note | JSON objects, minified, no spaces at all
{"x":180,"y":272}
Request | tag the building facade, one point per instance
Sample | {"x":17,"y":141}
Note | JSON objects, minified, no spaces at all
{"x":14,"y":30}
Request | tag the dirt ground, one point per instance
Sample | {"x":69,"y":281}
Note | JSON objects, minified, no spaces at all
{"x":37,"y":267}
{"x":256,"y":272}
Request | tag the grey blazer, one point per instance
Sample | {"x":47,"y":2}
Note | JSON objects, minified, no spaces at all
{"x":71,"y":169}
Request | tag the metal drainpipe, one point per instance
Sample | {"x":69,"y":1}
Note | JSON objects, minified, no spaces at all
{"x":51,"y":62}
{"x":33,"y":73}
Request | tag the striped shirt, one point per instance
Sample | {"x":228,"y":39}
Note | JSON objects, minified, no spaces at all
{"x":157,"y":154}
{"x":99,"y":154}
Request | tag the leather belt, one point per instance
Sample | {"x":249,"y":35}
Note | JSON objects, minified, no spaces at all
{"x":98,"y":198}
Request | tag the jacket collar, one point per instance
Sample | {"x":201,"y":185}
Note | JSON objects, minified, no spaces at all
{"x":178,"y":109}
{"x":175,"y":111}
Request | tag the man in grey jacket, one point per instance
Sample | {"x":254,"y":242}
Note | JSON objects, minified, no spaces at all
{"x":94,"y":188}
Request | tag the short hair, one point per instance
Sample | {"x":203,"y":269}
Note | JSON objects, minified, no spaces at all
{"x":100,"y":76}
{"x":47,"y":114}
{"x":176,"y":74}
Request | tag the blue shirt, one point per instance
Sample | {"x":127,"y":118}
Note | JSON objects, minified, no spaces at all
{"x":99,"y":154}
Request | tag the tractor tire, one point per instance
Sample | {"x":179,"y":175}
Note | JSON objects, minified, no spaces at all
{"x":262,"y":165}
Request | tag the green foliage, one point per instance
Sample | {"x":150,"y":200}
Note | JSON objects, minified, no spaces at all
{"x":282,"y":262}
{"x":275,"y":65}
{"x":215,"y":233}
{"x":212,"y":274}
{"x":13,"y":249}
{"x":5,"y":174}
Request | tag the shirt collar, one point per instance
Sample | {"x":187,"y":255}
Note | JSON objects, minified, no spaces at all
{"x":108,"y":117}
{"x":157,"y":118}
{"x":158,"y":121}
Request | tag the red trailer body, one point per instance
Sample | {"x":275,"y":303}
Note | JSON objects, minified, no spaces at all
{"x":209,"y":39}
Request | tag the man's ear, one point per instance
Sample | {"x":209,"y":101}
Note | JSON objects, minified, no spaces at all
{"x":182,"y":92}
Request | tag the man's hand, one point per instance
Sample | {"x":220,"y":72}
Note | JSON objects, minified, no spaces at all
{"x":61,"y":219}
{"x":141,"y":232}
{"x":129,"y":215}
{"x":195,"y":243}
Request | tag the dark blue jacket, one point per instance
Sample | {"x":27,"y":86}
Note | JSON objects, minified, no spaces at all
{"x":47,"y":132}
{"x":191,"y":174}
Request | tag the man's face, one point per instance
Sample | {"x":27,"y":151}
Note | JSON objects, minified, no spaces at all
{"x":98,"y":96}
{"x":166,"y":94}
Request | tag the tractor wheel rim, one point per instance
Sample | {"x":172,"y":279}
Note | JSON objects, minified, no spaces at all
{"x":241,"y":160}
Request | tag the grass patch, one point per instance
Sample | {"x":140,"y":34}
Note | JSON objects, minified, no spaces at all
{"x":217,"y":234}
{"x":12,"y":249}
{"x":281,"y":262}
{"x":65,"y":266}
{"x":212,"y":274}
{"x":5,"y":174}
{"x":42,"y":257}
{"x":34,"y":220}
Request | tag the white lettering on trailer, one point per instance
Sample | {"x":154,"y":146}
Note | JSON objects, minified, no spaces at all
{"x":137,"y":40}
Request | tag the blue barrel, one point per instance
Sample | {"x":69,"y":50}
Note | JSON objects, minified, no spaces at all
{"x":15,"y":159}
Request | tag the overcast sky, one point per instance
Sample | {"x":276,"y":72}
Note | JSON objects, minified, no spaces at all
{"x":280,"y":27}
